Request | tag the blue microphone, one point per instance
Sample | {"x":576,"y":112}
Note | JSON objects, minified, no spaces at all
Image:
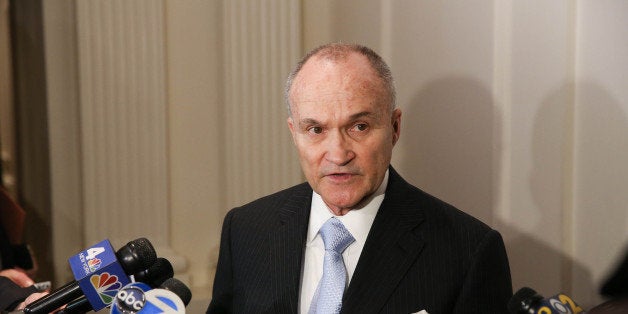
{"x":154,"y":276}
{"x":100,"y":273}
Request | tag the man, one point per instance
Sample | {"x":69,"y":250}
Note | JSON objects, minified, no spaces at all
{"x":401,"y":250}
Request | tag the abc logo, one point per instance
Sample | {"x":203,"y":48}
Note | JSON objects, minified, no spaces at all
{"x":130,"y":299}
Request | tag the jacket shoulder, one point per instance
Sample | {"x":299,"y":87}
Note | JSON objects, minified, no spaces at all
{"x":440,"y":215}
{"x":292,"y":196}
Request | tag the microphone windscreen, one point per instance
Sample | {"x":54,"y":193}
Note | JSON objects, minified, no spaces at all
{"x":137,"y":255}
{"x":179,"y":288}
{"x":522,"y":299}
{"x":156,"y":274}
{"x":616,"y":285}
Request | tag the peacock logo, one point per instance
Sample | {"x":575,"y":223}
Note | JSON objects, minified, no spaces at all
{"x":106,"y":285}
{"x":94,"y":264}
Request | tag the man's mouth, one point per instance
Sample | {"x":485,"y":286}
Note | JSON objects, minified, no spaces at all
{"x":340,"y":176}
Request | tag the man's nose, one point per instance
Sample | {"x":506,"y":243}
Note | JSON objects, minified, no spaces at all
{"x":339,"y":149}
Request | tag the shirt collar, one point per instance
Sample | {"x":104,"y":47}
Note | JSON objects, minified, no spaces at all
{"x":357,"y":221}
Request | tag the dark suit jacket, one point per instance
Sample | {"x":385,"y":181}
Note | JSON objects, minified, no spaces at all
{"x":420,"y":254}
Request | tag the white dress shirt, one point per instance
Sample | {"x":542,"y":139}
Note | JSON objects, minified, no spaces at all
{"x":357,"y":221}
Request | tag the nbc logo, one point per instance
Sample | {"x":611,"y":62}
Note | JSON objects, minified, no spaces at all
{"x":106,"y":285}
{"x":94,"y":264}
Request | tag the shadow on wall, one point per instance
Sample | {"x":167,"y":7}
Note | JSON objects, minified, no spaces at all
{"x":600,"y":178}
{"x":449,"y":134}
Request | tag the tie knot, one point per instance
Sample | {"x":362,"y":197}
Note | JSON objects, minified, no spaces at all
{"x":335,"y":236}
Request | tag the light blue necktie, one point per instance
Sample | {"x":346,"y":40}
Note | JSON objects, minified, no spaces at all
{"x":328,"y":296}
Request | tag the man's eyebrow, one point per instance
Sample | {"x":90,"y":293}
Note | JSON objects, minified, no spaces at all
{"x":308,"y":121}
{"x":355,"y":116}
{"x":364,"y":114}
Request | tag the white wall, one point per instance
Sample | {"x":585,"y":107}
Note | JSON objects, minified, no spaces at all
{"x":195,"y":129}
{"x":514,"y":111}
{"x":600,"y":225}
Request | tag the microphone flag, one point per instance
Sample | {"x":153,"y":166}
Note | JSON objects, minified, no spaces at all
{"x":99,"y":274}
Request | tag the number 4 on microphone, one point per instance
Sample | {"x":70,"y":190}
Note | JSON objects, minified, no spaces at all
{"x":94,"y":251}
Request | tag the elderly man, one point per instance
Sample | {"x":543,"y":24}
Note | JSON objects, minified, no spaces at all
{"x":356,"y":238}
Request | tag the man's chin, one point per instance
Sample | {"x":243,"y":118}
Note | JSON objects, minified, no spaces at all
{"x":340,"y":204}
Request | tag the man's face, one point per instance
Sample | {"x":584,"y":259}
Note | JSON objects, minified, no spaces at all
{"x":343,"y":129}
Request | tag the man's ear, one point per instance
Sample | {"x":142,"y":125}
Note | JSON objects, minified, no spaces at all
{"x":396,"y":125}
{"x":290,"y":122}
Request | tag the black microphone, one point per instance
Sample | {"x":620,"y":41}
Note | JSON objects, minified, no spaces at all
{"x":179,"y":288}
{"x":616,"y":285}
{"x":154,"y":276}
{"x":135,"y":256}
{"x":528,"y":301}
{"x":524,"y":301}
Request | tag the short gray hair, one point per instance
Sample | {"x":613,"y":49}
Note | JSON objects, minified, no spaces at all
{"x":338,"y":51}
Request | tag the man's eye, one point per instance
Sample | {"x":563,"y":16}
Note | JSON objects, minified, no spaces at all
{"x":360,"y":127}
{"x":315,"y":130}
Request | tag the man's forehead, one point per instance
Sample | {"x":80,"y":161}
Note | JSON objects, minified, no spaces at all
{"x":322,"y":112}
{"x":342,"y":84}
{"x":338,"y":103}
{"x":350,"y":67}
{"x":337,"y":97}
{"x":339,"y":86}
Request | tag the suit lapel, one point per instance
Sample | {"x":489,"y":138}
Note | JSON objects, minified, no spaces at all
{"x":391,"y":247}
{"x":287,"y":245}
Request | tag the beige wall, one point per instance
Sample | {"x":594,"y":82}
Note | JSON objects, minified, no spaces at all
{"x":600,"y":215}
{"x":514,"y":111}
{"x":165,"y":114}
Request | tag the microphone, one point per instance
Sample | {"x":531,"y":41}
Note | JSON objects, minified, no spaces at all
{"x":154,"y":276}
{"x":171,"y":297}
{"x":616,"y":285}
{"x":528,"y":301}
{"x":179,"y":288}
{"x":99,"y":274}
